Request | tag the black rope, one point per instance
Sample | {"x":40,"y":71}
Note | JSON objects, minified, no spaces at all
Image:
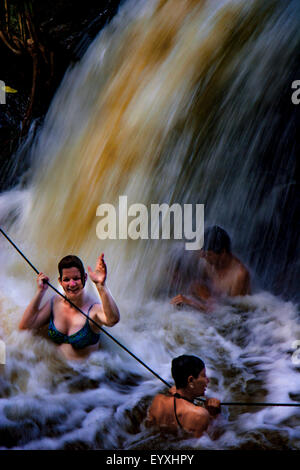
{"x":238,"y":403}
{"x":124,"y":347}
{"x":79,"y":309}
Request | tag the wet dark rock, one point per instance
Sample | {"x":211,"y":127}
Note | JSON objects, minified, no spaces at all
{"x":100,"y":440}
{"x":76,"y":445}
{"x":82,"y":383}
{"x":122,"y":380}
{"x":266,"y":439}
{"x":292,"y":422}
{"x":5,"y":388}
{"x":295,"y":396}
{"x":65,"y":30}
{"x":255,"y":390}
{"x":9,"y":436}
{"x":136,"y":416}
{"x":18,"y":434}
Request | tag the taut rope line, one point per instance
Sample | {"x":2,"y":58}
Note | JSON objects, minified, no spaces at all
{"x":90,"y":319}
{"x":124,"y":347}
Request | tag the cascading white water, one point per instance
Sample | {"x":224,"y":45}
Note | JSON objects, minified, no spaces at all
{"x":169,"y":104}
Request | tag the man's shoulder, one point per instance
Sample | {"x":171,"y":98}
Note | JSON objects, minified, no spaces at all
{"x":241,"y":278}
{"x":196,"y":419}
{"x":159,"y":399}
{"x":161,"y":396}
{"x":198,"y":410}
{"x":157,"y":408}
{"x":195,"y":412}
{"x":239,"y":268}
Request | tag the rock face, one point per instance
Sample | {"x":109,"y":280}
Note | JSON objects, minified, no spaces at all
{"x":36,"y":63}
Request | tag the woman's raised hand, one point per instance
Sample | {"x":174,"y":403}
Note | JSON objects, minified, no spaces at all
{"x":99,"y":275}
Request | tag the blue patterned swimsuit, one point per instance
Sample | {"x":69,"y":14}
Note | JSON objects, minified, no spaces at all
{"x":79,"y":340}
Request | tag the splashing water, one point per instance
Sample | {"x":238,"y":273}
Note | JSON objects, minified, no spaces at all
{"x":171,"y":103}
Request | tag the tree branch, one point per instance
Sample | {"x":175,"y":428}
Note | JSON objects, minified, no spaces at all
{"x":10,"y":46}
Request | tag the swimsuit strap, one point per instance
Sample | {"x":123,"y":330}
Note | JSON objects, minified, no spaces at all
{"x":175,"y":412}
{"x":82,"y":338}
{"x":91,"y":308}
{"x":88,"y":313}
{"x":177,"y":395}
{"x":51,"y":311}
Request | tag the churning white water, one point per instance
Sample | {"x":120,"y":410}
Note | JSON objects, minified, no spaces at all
{"x":171,"y":103}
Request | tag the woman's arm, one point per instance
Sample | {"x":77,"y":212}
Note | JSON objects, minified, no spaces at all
{"x":108,"y":313}
{"x":34,"y":316}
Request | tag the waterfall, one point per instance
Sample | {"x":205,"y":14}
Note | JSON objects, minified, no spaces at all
{"x":175,"y":101}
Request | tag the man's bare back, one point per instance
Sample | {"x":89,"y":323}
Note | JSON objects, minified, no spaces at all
{"x":193,"y":419}
{"x":177,"y":410}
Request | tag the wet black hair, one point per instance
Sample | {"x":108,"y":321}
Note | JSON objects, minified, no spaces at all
{"x":216,"y":240}
{"x":71,"y":261}
{"x":184,"y":366}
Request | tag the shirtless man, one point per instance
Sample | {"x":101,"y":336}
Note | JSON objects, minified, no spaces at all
{"x":176,"y":410}
{"x":224,"y":274}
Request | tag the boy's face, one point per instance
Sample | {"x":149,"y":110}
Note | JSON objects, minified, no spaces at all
{"x":200,"y":383}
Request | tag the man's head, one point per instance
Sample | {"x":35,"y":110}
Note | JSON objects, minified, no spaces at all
{"x":217,"y":245}
{"x":186,"y":368}
{"x":72,"y":261}
{"x":216,"y":240}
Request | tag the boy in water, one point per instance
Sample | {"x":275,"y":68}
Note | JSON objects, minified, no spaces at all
{"x":177,"y":410}
{"x":224,"y":274}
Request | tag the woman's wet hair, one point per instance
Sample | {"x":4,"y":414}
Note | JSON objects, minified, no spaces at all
{"x":184,"y":366}
{"x":71,"y":261}
{"x":216,"y":240}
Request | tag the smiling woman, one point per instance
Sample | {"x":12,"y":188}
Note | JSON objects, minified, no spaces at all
{"x":66,"y":327}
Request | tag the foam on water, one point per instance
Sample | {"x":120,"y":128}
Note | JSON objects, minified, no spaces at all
{"x":49,"y":403}
{"x":151,"y":112}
